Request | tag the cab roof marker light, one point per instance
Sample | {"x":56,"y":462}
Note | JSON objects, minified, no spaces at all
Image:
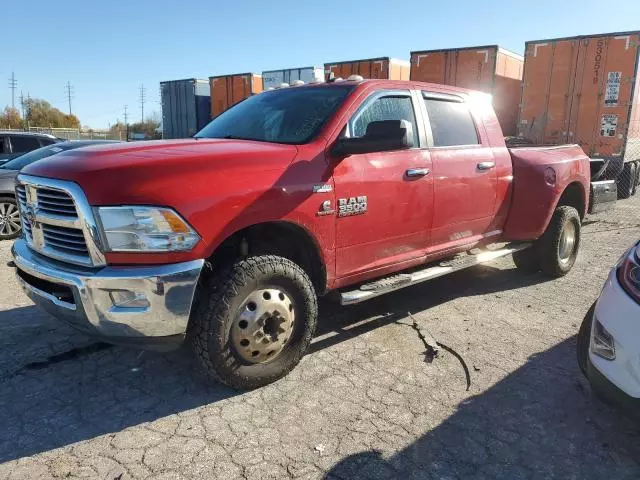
{"x":297,"y":83}
{"x":355,"y":78}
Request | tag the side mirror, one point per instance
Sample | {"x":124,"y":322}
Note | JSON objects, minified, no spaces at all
{"x":381,"y":136}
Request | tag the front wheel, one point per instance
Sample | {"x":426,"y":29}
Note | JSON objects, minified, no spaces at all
{"x":254,"y":321}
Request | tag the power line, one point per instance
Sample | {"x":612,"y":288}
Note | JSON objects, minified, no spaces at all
{"x":13,"y":84}
{"x":68,"y":88}
{"x":142,"y":100}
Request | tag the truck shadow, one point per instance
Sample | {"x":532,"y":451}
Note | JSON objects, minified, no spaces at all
{"x":541,"y":421}
{"x":78,"y":389}
{"x":335,"y":321}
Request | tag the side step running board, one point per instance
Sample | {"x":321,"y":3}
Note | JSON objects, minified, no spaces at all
{"x":439,"y":269}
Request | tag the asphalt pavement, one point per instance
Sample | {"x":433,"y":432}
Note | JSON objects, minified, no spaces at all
{"x":502,"y":399}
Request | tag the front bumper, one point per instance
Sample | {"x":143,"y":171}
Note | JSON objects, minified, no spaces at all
{"x":84,"y":297}
{"x":618,"y":380}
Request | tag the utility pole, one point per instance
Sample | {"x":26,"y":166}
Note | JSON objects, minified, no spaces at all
{"x":142,"y":100}
{"x":68,"y":88}
{"x":28,"y":117}
{"x":126,"y":125}
{"x":22,"y":104}
{"x":13,"y":84}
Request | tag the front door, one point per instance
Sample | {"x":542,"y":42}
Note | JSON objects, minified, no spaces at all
{"x":386,"y":197}
{"x":464,"y":172}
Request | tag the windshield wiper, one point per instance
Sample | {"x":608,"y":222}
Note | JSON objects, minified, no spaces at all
{"x":237,"y":137}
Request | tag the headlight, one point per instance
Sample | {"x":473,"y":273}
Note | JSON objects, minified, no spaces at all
{"x":145,"y":229}
{"x":629,"y":274}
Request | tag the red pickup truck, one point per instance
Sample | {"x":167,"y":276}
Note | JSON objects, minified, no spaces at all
{"x":228,"y":238}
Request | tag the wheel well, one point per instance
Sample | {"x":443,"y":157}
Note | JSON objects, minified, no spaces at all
{"x":275,"y":238}
{"x":573,"y":196}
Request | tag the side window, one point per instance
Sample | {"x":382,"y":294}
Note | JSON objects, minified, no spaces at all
{"x":3,"y":148}
{"x":451,"y":123}
{"x":23,"y":143}
{"x":392,"y":107}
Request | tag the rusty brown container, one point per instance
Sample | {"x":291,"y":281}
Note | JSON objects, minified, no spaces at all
{"x":584,"y":90}
{"x":227,"y":90}
{"x":380,"y":68}
{"x":488,"y":68}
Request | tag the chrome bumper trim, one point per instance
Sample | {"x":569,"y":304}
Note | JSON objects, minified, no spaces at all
{"x":169,"y":290}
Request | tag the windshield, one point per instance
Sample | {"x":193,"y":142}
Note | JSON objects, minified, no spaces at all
{"x":30,"y":157}
{"x":290,"y":115}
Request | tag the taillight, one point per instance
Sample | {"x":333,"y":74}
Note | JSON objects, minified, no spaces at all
{"x":629,"y":274}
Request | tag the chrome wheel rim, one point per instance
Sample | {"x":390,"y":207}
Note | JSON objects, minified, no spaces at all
{"x":567,"y":242}
{"x":9,"y":219}
{"x":262,"y":326}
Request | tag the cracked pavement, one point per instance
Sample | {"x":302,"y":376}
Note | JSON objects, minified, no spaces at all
{"x":363,"y":404}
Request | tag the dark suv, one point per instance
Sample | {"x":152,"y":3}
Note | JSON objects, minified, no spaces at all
{"x":13,"y":144}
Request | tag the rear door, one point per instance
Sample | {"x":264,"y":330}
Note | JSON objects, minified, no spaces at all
{"x":463,"y":170}
{"x":388,"y":196}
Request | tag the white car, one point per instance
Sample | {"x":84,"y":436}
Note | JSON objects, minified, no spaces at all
{"x":609,"y":338}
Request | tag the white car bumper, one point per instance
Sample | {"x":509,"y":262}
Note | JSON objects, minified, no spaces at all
{"x":619,"y":314}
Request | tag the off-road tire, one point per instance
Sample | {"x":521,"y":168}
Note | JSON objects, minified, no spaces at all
{"x":584,"y":338}
{"x":9,"y":236}
{"x":527,"y":260}
{"x":548,"y":245}
{"x":218,"y":297}
{"x":627,"y":180}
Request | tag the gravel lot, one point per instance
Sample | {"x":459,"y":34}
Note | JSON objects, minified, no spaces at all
{"x":364,"y":404}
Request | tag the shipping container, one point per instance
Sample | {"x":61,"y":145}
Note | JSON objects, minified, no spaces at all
{"x":227,"y":90}
{"x":584,"y":90}
{"x":273,"y":78}
{"x":382,"y":68}
{"x":488,"y":68}
{"x":186,"y":107}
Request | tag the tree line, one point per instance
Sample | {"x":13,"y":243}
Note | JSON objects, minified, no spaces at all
{"x":37,"y":113}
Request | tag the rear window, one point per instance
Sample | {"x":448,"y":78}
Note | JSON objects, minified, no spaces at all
{"x":451,"y":123}
{"x":24,"y":143}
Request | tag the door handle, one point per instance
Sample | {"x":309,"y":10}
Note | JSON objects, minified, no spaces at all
{"x":417,"y":172}
{"x":486,"y":165}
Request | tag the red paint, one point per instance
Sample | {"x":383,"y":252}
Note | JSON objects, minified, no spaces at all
{"x":223,"y":186}
{"x":534,"y":199}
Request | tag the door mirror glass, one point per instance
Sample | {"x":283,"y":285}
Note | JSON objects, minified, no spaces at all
{"x":380,"y":136}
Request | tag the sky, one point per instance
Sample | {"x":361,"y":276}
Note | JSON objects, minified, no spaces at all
{"x":107,"y":50}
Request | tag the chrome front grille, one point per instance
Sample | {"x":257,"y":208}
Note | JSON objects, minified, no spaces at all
{"x":57,"y":220}
{"x":55,"y":202}
{"x":66,"y":240}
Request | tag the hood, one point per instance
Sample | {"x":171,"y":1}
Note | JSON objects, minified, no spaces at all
{"x":129,"y":171}
{"x":7,"y":180}
{"x":4,"y":173}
